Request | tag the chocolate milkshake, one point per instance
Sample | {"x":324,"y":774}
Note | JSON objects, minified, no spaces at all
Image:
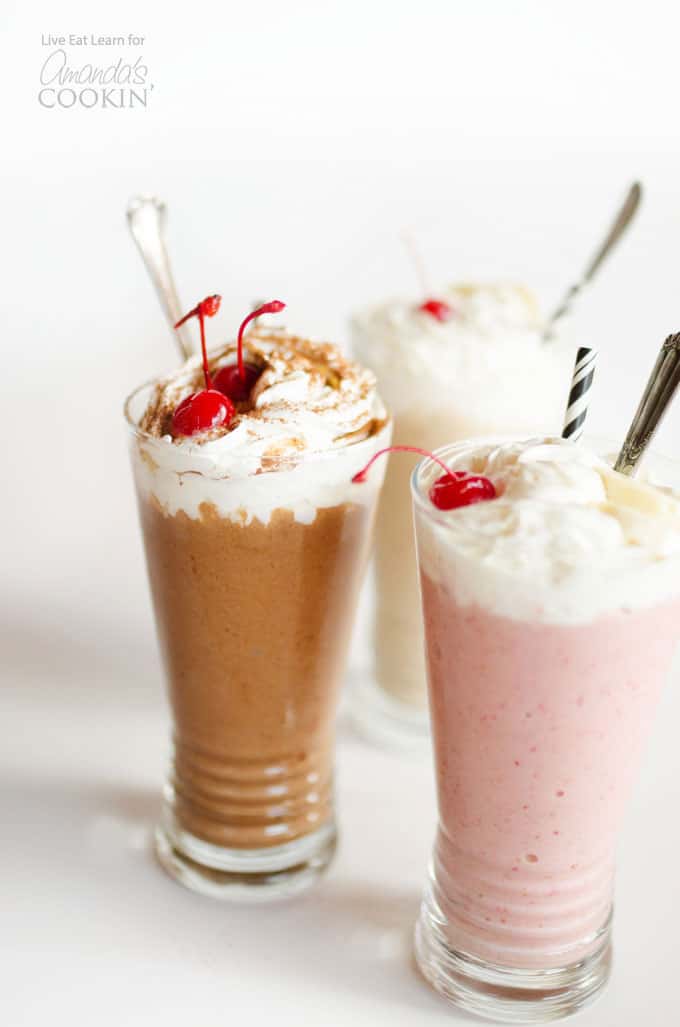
{"x":256,"y":542}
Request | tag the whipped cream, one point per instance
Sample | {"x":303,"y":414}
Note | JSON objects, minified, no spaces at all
{"x":488,"y":358}
{"x":566,"y":540}
{"x":314,"y":419}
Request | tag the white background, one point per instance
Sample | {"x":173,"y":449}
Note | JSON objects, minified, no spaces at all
{"x":293,"y":142}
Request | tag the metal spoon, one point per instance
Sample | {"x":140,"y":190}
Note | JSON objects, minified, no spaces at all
{"x":658,"y":393}
{"x":146,"y":217}
{"x":623,"y":219}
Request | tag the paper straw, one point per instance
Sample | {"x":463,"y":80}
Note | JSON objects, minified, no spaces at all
{"x":579,"y":393}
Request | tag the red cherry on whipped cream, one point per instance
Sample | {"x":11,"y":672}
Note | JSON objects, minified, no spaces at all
{"x":438,"y":309}
{"x":236,"y":380}
{"x":229,"y":382}
{"x":460,"y":488}
{"x":202,"y":411}
{"x":451,"y":489}
{"x":208,"y":408}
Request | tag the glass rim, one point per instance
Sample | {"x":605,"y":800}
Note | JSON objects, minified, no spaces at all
{"x":422,"y":502}
{"x":237,"y":462}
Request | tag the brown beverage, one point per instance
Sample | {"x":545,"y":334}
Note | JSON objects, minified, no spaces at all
{"x":256,"y":543}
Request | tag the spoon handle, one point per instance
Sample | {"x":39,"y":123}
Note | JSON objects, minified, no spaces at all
{"x":621,"y":222}
{"x":146,"y":216}
{"x":658,"y":393}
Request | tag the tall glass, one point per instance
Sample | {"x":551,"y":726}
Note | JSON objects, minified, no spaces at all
{"x":538,"y":729}
{"x":500,"y":386}
{"x":254,"y":579}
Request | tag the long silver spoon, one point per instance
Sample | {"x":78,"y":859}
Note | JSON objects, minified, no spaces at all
{"x":146,"y":216}
{"x":621,"y":222}
{"x":659,"y":391}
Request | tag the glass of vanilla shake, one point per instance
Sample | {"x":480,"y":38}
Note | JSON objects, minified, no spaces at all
{"x":552,"y":615}
{"x":472,"y":362}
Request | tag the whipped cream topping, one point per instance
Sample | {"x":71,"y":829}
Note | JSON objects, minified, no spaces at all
{"x":314,"y":417}
{"x":490,"y":349}
{"x":566,"y":540}
{"x":308,"y":398}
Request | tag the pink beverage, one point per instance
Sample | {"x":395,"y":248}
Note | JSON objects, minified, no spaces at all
{"x":551,"y":618}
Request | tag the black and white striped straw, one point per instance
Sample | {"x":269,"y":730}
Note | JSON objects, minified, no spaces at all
{"x":579,"y":393}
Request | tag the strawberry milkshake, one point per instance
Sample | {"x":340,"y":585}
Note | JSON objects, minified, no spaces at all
{"x":552,"y":613}
{"x":472,"y":362}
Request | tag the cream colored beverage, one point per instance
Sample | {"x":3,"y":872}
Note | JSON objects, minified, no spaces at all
{"x":469,"y":364}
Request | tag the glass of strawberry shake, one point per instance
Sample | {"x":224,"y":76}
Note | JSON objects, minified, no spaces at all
{"x":551,"y":601}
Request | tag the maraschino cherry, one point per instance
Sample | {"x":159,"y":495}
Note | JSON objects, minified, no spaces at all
{"x":460,"y":488}
{"x":451,"y":489}
{"x":438,"y":309}
{"x":236,"y":380}
{"x":208,"y":408}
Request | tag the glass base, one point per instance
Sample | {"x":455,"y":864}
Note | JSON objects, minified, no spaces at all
{"x":248,"y":875}
{"x":388,"y":722}
{"x":501,"y":993}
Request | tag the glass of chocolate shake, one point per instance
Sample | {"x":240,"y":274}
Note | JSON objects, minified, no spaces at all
{"x":256,"y":542}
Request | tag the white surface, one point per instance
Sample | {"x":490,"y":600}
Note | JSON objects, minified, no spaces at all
{"x":93,"y":931}
{"x":293,"y":143}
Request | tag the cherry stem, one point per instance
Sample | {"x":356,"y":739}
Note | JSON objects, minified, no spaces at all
{"x":361,"y":475}
{"x":210,"y":305}
{"x":274,"y":307}
{"x":204,"y":351}
{"x":416,"y":256}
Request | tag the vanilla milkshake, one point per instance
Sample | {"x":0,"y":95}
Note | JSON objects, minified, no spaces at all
{"x":551,"y":613}
{"x":471,"y":363}
{"x":256,"y":541}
